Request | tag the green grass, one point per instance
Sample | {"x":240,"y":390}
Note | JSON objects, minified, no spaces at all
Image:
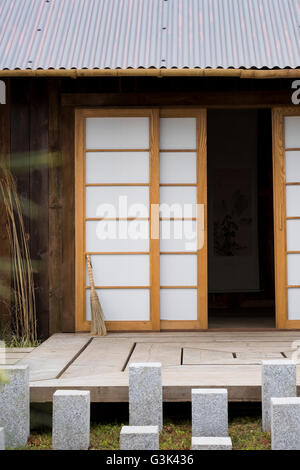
{"x":245,"y":432}
{"x":13,"y":341}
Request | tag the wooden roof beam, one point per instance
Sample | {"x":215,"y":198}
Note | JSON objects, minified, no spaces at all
{"x":151,"y":72}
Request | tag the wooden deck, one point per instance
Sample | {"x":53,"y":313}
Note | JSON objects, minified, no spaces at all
{"x":10,"y":356}
{"x":199,"y":359}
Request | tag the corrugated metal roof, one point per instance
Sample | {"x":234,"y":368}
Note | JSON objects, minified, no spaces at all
{"x":66,"y":34}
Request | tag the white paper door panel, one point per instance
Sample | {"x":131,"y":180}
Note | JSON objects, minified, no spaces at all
{"x":117,"y":201}
{"x":117,"y":133}
{"x":293,"y":235}
{"x":178,"y":133}
{"x":100,"y":236}
{"x":178,"y":270}
{"x":294,"y":304}
{"x":178,"y":304}
{"x":292,"y":132}
{"x":292,"y":167}
{"x":114,"y":167}
{"x":178,"y":167}
{"x":293,"y":269}
{"x":122,"y":304}
{"x":178,"y":201}
{"x":178,"y":235}
{"x":293,"y":201}
{"x":120,"y":270}
{"x":130,"y":169}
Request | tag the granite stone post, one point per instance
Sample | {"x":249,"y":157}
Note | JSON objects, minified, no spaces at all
{"x":278,"y":380}
{"x":211,"y":443}
{"x":71,"y":420}
{"x":2,"y":439}
{"x":145,"y":394}
{"x":139,"y":438}
{"x":14,"y":406}
{"x":285,"y":423}
{"x":209,"y":412}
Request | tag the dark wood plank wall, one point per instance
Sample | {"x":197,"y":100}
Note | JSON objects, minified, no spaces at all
{"x":29,"y":163}
{"x":42,"y":129}
{"x":4,"y":241}
{"x":19,"y":143}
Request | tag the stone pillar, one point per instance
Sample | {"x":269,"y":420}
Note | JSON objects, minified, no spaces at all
{"x":209,"y":412}
{"x":145,"y":394}
{"x":211,"y":443}
{"x":14,"y":406}
{"x":139,"y":438}
{"x":278,"y":380}
{"x":285,"y":423}
{"x":71,"y":420}
{"x":2,"y":439}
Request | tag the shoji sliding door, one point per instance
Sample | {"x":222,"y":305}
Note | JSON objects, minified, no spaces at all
{"x":286,"y":148}
{"x":116,"y":166}
{"x":140,"y":192}
{"x":183,"y":251}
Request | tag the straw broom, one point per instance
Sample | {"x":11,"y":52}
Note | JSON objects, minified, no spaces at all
{"x":98,"y":324}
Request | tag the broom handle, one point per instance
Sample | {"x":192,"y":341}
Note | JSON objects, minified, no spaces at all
{"x":90,"y":271}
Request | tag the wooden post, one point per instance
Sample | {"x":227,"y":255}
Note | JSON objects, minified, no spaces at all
{"x":55,"y":208}
{"x":39,"y":195}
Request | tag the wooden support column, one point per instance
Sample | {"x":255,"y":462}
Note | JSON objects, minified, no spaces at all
{"x":39,"y":199}
{"x":68,"y":220}
{"x":154,"y":222}
{"x":55,"y":208}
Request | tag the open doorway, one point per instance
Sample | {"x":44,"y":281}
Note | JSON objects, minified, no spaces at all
{"x":241,"y":283}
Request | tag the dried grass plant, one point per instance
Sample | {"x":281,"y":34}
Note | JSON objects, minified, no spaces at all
{"x":23,"y":295}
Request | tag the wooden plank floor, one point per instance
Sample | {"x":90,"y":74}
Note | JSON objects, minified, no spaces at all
{"x":189,"y":359}
{"x":10,"y":356}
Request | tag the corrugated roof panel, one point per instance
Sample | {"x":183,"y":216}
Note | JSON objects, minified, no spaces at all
{"x":65,"y":34}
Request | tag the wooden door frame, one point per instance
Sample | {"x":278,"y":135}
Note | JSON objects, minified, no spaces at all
{"x":155,"y":324}
{"x":81,"y":324}
{"x":280,"y":238}
{"x":279,"y":204}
